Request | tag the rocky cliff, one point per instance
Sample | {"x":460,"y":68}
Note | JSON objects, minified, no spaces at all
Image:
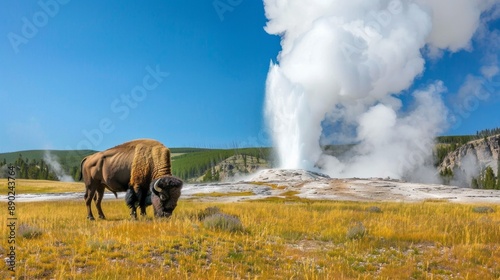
{"x":236,"y":167}
{"x":473,"y":156}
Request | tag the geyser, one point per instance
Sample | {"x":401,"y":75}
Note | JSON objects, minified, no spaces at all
{"x":341,"y":71}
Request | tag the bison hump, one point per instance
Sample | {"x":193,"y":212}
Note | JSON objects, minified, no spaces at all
{"x":150,"y":162}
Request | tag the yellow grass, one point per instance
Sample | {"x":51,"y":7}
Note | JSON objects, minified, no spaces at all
{"x":281,"y":240}
{"x":42,"y":186}
{"x":289,"y":193}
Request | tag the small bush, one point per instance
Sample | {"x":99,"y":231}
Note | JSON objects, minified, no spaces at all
{"x":483,"y":209}
{"x":28,"y":231}
{"x":223,"y":222}
{"x":357,"y":231}
{"x":374,"y":209}
{"x":209,"y":211}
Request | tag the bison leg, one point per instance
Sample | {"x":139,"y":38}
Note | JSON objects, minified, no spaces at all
{"x":100,"y":195}
{"x":157,"y":206}
{"x":142,"y":200}
{"x":131,"y":199}
{"x":89,"y":195}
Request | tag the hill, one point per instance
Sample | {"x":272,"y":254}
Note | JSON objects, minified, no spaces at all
{"x":191,"y":166}
{"x":71,"y":156}
{"x":45,"y":164}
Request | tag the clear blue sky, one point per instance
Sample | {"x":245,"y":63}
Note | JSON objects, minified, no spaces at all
{"x":81,"y":74}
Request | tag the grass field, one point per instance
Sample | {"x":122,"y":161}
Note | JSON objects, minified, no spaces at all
{"x":42,"y":186}
{"x":280,"y":240}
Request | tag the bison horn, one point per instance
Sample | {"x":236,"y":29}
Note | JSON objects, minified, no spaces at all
{"x":155,"y":186}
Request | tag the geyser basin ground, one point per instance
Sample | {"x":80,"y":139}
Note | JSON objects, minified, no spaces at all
{"x":299,"y":183}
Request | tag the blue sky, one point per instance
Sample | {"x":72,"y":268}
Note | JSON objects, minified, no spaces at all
{"x":74,"y":75}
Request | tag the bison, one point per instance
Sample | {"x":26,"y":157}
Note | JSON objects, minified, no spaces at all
{"x":140,"y":167}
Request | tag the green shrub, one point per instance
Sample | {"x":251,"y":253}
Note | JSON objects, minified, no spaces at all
{"x":224,"y":222}
{"x":374,"y":209}
{"x":209,"y":211}
{"x":29,"y":231}
{"x":483,"y":209}
{"x":357,"y":231}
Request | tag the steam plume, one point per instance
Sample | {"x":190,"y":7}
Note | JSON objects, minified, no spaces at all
{"x":56,"y":167}
{"x":341,"y":70}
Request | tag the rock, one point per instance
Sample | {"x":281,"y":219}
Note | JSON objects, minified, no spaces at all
{"x":481,"y":152}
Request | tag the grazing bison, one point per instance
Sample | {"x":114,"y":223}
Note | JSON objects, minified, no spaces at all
{"x":165,"y":192}
{"x":136,"y":167}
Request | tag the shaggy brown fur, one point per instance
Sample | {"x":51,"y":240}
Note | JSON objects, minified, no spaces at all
{"x":151,"y":161}
{"x":132,"y":164}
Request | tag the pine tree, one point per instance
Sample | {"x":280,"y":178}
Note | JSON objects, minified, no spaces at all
{"x":208,"y":176}
{"x":474,"y":184}
{"x":446,"y":175}
{"x":74,"y":173}
{"x":489,"y":178}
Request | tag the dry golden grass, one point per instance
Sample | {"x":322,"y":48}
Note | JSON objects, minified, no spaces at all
{"x":281,"y":239}
{"x":42,"y":186}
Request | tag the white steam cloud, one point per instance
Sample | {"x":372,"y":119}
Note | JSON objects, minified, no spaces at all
{"x":56,"y":167}
{"x":341,"y":69}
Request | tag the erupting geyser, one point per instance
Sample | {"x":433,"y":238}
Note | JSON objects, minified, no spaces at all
{"x":342,"y":67}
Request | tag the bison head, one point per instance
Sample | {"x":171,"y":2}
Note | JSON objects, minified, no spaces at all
{"x":165,"y":193}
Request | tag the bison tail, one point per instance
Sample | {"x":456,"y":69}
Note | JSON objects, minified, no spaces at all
{"x":81,"y":168}
{"x":116,"y":195}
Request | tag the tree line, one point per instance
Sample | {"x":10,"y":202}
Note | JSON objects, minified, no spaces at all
{"x":487,"y":132}
{"x":37,"y":169}
{"x":463,"y":139}
{"x":31,"y":169}
{"x":487,"y":179}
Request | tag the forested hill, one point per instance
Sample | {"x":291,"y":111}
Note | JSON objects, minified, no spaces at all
{"x":190,"y":166}
{"x":45,"y":164}
{"x":462,"y":139}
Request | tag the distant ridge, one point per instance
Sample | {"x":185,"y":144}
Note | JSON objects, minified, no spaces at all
{"x":39,"y":164}
{"x":39,"y":154}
